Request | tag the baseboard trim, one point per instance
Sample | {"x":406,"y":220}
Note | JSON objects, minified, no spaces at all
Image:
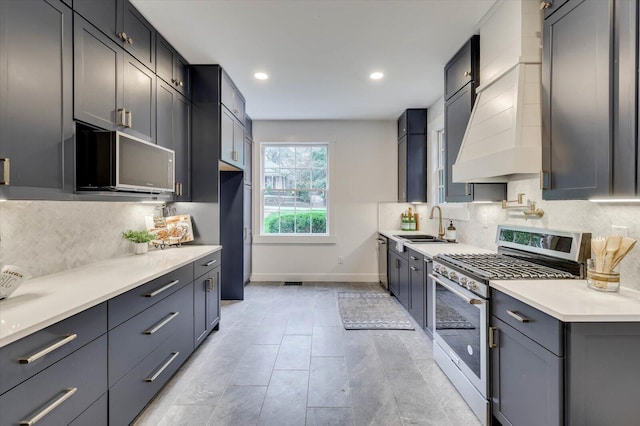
{"x":358,"y":278}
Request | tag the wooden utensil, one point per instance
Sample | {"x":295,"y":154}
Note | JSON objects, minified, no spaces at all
{"x":625,"y":247}
{"x":598,"y":246}
{"x":613,"y":244}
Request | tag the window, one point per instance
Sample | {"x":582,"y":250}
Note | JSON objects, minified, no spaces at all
{"x":442,"y":165}
{"x":294,"y":189}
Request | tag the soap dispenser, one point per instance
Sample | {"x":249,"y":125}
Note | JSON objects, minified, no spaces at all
{"x":451,"y":232}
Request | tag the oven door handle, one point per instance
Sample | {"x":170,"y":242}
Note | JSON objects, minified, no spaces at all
{"x":470,"y":300}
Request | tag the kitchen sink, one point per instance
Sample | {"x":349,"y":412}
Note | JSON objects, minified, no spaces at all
{"x":421,"y":238}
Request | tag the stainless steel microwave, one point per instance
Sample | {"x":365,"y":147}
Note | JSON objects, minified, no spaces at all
{"x":116,"y":161}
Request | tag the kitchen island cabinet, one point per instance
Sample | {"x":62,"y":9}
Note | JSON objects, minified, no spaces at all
{"x":36,"y":100}
{"x":552,"y":372}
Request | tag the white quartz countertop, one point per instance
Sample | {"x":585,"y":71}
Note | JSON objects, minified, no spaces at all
{"x":433,"y":249}
{"x":573,"y":301}
{"x":45,"y":300}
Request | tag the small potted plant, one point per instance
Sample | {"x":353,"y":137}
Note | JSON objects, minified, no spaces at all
{"x":140,"y":240}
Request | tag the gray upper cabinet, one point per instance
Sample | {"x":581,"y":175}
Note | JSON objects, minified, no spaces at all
{"x":461,"y":78}
{"x":122,"y":23}
{"x":173,"y":132}
{"x":577,"y":99}
{"x":113,"y":90}
{"x":232,"y":139}
{"x":412,"y":155}
{"x":36,"y":99}
{"x":232,"y":98}
{"x":171,"y":67}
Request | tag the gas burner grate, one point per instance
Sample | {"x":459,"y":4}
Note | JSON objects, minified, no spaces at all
{"x":498,"y":266}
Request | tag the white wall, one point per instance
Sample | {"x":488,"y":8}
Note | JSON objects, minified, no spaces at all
{"x":364,"y":173}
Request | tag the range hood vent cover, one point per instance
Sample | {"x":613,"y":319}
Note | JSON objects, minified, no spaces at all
{"x":504,"y":134}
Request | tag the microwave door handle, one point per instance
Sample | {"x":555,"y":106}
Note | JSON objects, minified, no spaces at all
{"x":469,"y":300}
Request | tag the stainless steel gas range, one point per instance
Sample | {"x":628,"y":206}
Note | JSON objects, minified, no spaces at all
{"x":461,"y":294}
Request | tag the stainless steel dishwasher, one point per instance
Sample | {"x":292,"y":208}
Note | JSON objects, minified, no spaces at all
{"x":382,"y":261}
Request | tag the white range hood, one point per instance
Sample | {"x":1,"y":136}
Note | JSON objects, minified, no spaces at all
{"x":504,"y":135}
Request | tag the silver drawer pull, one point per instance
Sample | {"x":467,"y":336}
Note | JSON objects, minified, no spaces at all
{"x":161,"y":324}
{"x":47,"y":350}
{"x":161,"y":289}
{"x":413,"y":258}
{"x":211,"y":262}
{"x":35,"y":419}
{"x":7,"y":171}
{"x":174,"y":355}
{"x":518,"y":317}
{"x":413,"y":268}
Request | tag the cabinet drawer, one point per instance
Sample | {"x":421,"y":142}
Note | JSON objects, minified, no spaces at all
{"x":61,"y":392}
{"x":205,"y":264}
{"x":96,"y":415}
{"x":131,"y":394}
{"x":415,"y":259}
{"x":127,"y":305}
{"x":86,"y":326}
{"x":392,"y":248}
{"x":146,"y":331}
{"x":538,"y":326}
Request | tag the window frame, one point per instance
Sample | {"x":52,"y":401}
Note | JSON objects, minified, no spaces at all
{"x":260,"y":237}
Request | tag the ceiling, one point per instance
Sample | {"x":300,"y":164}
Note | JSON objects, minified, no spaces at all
{"x":319,"y":53}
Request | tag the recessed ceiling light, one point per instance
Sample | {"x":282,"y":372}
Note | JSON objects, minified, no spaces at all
{"x":261,"y":75}
{"x":376,"y":75}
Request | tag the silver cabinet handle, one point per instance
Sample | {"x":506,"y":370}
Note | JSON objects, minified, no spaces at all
{"x":161,"y":289}
{"x":129,"y":40}
{"x":210,"y":262}
{"x":161,"y":324}
{"x":49,"y":408}
{"x":130,"y":121}
{"x":6,"y":172}
{"x":544,"y":5}
{"x":181,"y":83}
{"x":428,"y":260}
{"x":122,"y":36}
{"x":123,"y":119}
{"x":413,"y":258}
{"x":174,"y":355}
{"x":492,"y":339}
{"x":47,"y":350}
{"x":518,"y":317}
{"x":467,"y":74}
{"x":413,"y":268}
{"x":209,"y":284}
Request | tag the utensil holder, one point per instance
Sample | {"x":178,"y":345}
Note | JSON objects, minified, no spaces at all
{"x":602,"y":281}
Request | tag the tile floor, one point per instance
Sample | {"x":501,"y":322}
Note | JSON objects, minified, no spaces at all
{"x":282,"y":357}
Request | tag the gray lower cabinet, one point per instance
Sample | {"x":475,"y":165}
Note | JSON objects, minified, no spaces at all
{"x":398,"y":270}
{"x":96,"y":415}
{"x":61,"y":392}
{"x":36,"y":99}
{"x":206,"y":304}
{"x":546,"y":372}
{"x":429,"y":305}
{"x":526,"y":380}
{"x":417,"y":290}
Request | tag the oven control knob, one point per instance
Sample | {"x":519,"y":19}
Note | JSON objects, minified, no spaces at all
{"x":453,"y":276}
{"x":463,"y":281}
{"x":436,"y":268}
{"x":472,"y":285}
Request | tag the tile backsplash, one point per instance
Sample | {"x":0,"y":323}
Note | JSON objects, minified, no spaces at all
{"x":49,"y":236}
{"x":479,"y":227}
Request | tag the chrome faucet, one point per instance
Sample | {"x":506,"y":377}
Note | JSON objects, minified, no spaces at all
{"x":440,"y":228}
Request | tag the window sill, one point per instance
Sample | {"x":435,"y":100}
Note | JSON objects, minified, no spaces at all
{"x":295,"y":239}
